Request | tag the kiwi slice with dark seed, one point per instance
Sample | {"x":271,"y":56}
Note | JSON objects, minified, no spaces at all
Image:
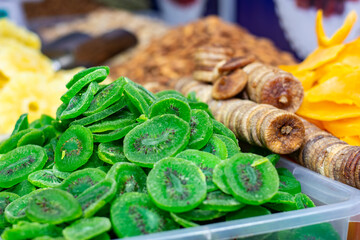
{"x":77,"y":182}
{"x":5,"y":199}
{"x":201,"y":129}
{"x":87,"y":228}
{"x":53,"y":206}
{"x":232,"y":147}
{"x":282,"y":201}
{"x":129,"y":178}
{"x":205,"y":161}
{"x":176,"y":185}
{"x":16,"y":165}
{"x":157,"y":138}
{"x":201,"y":215}
{"x":216,"y":147}
{"x":303,"y":201}
{"x":21,"y":124}
{"x":289,"y":185}
{"x":247,"y":212}
{"x":51,"y":156}
{"x":60,"y":174}
{"x":170,"y":105}
{"x":182,"y":221}
{"x":251,"y":178}
{"x":44,"y":179}
{"x":31,"y":230}
{"x":135,"y":214}
{"x":74,"y":148}
{"x":219,"y":201}
{"x":111,"y":152}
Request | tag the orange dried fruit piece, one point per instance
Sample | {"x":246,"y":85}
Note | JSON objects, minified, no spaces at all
{"x":350,"y":54}
{"x":352,"y":140}
{"x":343,"y":127}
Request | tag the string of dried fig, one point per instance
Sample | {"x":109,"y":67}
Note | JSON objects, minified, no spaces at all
{"x":259,"y":124}
{"x":259,"y":82}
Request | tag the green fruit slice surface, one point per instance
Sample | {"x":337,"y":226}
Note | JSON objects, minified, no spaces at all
{"x":182,"y":221}
{"x":135,"y":214}
{"x":216,"y":147}
{"x":53,"y":206}
{"x":274,"y":158}
{"x":170,"y":105}
{"x":282,"y":201}
{"x":205,"y":161}
{"x":157,"y":138}
{"x":111,"y":152}
{"x":5,"y":199}
{"x":114,"y":135}
{"x":302,"y":201}
{"x":252,"y":179}
{"x":16,"y":165}
{"x":30,"y":230}
{"x":135,"y":97}
{"x":21,"y":124}
{"x":74,"y":148}
{"x":11,"y":143}
{"x":289,"y":185}
{"x":247,"y":212}
{"x":220,"y":201}
{"x":87,"y":228}
{"x":129,"y":178}
{"x":23,"y":188}
{"x":221,"y":129}
{"x":116,"y":121}
{"x":232,"y":147}
{"x":201,"y":215}
{"x":176,"y":185}
{"x":44,"y":179}
{"x":201,"y":129}
{"x":219,"y":177}
{"x":35,"y":137}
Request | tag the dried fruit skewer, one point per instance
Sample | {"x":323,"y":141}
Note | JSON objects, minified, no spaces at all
{"x":278,"y":130}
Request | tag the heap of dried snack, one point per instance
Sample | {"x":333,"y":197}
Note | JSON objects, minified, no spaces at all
{"x":330,"y":77}
{"x":171,"y":57}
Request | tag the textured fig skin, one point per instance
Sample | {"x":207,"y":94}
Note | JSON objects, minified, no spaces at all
{"x":229,"y":86}
{"x":235,"y":63}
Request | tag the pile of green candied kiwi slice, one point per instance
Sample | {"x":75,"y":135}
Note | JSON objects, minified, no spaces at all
{"x":120,"y":161}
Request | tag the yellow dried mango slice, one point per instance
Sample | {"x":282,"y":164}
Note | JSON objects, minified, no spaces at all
{"x":307,"y":79}
{"x":327,"y":111}
{"x":328,"y":71}
{"x":343,"y":127}
{"x":350,"y":54}
{"x":339,"y":36}
{"x":352,"y":140}
{"x":341,"y":89}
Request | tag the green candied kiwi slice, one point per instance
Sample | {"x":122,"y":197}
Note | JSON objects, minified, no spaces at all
{"x":176,"y":185}
{"x":117,"y":107}
{"x":221,"y":129}
{"x":15,"y":211}
{"x":216,"y":147}
{"x":106,"y":97}
{"x":201,"y":129}
{"x":51,"y":154}
{"x":170,"y":105}
{"x":289,"y":185}
{"x":80,"y":102}
{"x":114,"y":135}
{"x":103,"y":236}
{"x":285,"y":172}
{"x":16,"y":165}
{"x":251,"y":178}
{"x":135,"y":214}
{"x":148,"y":96}
{"x":34,"y":137}
{"x":136,"y":98}
{"x":159,"y":137}
{"x":205,"y":161}
{"x":322,"y":231}
{"x":77,"y":182}
{"x":49,"y":132}
{"x":201,"y":215}
{"x":129,"y":178}
{"x":182,"y":221}
{"x":219,"y":177}
{"x":5,"y":199}
{"x":111,"y":152}
{"x":94,"y":161}
{"x":247,"y":212}
{"x":167,"y":92}
{"x":83,"y":78}
{"x":303,"y":201}
{"x":232,"y":147}
{"x":113,"y":123}
{"x":53,"y":206}
{"x":95,"y":197}
{"x":282,"y":201}
{"x":44,"y":179}
{"x":74,"y":148}
{"x":23,"y":188}
{"x":30,"y":230}
{"x":273,"y":158}
{"x":219,"y":201}
{"x":21,"y":124}
{"x":11,"y":143}
{"x":87,"y":228}
{"x":60,"y":174}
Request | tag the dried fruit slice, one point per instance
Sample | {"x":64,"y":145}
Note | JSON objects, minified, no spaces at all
{"x":111,"y":152}
{"x":21,"y":124}
{"x":23,"y":188}
{"x":16,"y":165}
{"x":216,"y":147}
{"x":157,"y":138}
{"x":11,"y":143}
{"x":183,"y":222}
{"x":80,"y":102}
{"x":248,"y":211}
{"x":232,"y":147}
{"x":220,"y":129}
{"x":236,"y":62}
{"x":53,"y":206}
{"x":252,"y":179}
{"x":201,"y":129}
{"x":106,"y":97}
{"x":60,"y":174}
{"x":77,"y":182}
{"x":170,"y":105}
{"x":205,"y":161}
{"x":219,"y":201}
{"x":35,"y":137}
{"x":167,"y":92}
{"x":44,"y":179}
{"x":289,"y":185}
{"x":95,"y":197}
{"x":219,"y":177}
{"x":30,"y":230}
{"x":135,"y":214}
{"x":74,"y":148}
{"x":5,"y":199}
{"x":134,"y":96}
{"x":176,"y":185}
{"x":229,"y":86}
{"x":303,"y":201}
{"x":129,"y":178}
{"x":83,"y":78}
{"x":112,"y":123}
{"x":282,"y":201}
{"x":115,"y":134}
{"x":87,"y":228}
{"x":273,"y":158}
{"x":201,"y":215}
